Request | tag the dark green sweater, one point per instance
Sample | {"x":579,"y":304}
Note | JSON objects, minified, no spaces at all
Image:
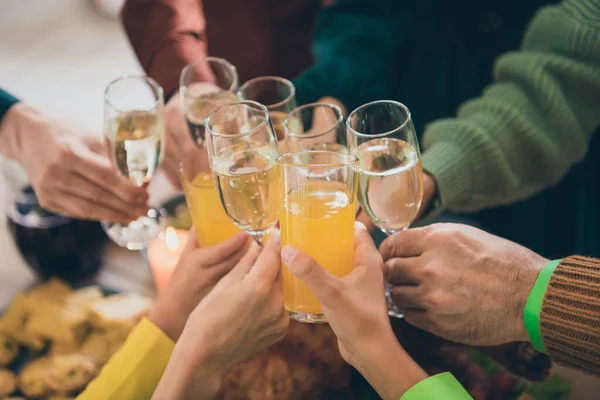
{"x":435,"y":55}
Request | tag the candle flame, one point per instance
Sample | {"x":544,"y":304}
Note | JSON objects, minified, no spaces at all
{"x":171,"y":239}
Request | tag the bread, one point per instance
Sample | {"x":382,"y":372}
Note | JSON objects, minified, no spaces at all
{"x":9,"y":349}
{"x":31,"y":378}
{"x":8,"y":382}
{"x":120,"y":311}
{"x":70,"y":373}
{"x":12,"y":323}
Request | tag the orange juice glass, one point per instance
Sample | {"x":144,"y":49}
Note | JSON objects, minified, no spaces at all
{"x":317,"y":215}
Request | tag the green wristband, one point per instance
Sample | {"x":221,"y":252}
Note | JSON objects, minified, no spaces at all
{"x":440,"y":386}
{"x":533,"y":307}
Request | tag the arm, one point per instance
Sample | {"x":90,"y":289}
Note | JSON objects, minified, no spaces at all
{"x":354,"y":46}
{"x":567,"y":325}
{"x":166,"y":36}
{"x":532,"y":125}
{"x":6,"y":102}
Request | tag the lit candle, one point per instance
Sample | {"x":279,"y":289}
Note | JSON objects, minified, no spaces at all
{"x":163,"y":255}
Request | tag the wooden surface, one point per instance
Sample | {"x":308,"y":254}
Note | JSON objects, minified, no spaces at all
{"x":59,"y":55}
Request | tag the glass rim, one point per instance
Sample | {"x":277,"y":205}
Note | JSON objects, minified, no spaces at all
{"x":338,"y":122}
{"x":273,"y":78}
{"x":153,"y":84}
{"x":252,"y":103}
{"x":384,"y":134}
{"x":352,"y":159}
{"x":209,"y":60}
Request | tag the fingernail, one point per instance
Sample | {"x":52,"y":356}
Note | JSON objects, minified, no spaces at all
{"x":359,"y":225}
{"x":288,"y":253}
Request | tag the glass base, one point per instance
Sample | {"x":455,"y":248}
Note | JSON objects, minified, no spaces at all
{"x":393,"y":311}
{"x":138,"y":233}
{"x":307,"y":317}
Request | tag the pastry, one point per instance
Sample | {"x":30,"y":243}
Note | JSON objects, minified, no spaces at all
{"x":96,"y":346}
{"x":70,"y":373}
{"x":31,"y":379}
{"x":9,"y":349}
{"x":120,"y":311}
{"x":8,"y":382}
{"x":13,"y":321}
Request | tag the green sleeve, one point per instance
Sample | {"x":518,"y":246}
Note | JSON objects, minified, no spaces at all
{"x":531,"y":125}
{"x":442,"y":386}
{"x":533,"y":306}
{"x":6,"y":101}
{"x":355,"y":45}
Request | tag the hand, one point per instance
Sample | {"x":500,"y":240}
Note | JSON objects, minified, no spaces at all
{"x":69,"y":168}
{"x":241,"y":316}
{"x":461,"y":283}
{"x":356,"y":310}
{"x":196,"y":274}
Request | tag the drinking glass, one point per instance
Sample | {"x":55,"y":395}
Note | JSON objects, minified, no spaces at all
{"x":243,"y":148}
{"x":134,"y":126}
{"x":277,"y":94}
{"x":318,"y":192}
{"x":204,"y":85}
{"x":316,"y":126}
{"x":390,"y":187}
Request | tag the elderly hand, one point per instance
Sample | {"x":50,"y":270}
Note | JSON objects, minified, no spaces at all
{"x":69,"y":167}
{"x":356,"y":309}
{"x":461,"y":283}
{"x":241,"y":316}
{"x":196,"y":274}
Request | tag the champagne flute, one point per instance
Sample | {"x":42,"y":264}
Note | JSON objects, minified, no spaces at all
{"x":204,"y":85}
{"x":275,"y":93}
{"x":390,"y":187}
{"x":316,"y":126}
{"x":242,"y":147}
{"x":134,"y":126}
{"x":317,"y":214}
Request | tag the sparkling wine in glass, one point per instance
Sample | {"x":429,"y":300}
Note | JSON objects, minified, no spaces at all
{"x":134,"y":126}
{"x":275,"y":93}
{"x":243,"y":148}
{"x":390,"y":183}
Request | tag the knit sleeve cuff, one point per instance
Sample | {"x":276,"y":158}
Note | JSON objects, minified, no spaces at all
{"x":440,"y":386}
{"x":533,"y":307}
{"x":6,"y":102}
{"x":452,"y":174}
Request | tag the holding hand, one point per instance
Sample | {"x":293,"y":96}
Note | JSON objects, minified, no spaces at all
{"x":461,"y":283}
{"x":356,"y":309}
{"x":196,"y":274}
{"x":69,"y":167}
{"x":241,"y":316}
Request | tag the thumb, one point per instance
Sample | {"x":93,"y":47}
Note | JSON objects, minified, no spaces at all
{"x":324,"y":285}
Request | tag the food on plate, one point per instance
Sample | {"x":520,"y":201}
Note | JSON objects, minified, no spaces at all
{"x":9,"y":349}
{"x":69,"y":335}
{"x":70,"y":373}
{"x":31,"y":378}
{"x":8,"y":382}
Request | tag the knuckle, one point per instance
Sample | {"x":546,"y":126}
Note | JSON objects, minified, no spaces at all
{"x":433,"y":300}
{"x":430,"y":272}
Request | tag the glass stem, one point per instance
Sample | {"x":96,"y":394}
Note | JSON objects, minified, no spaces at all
{"x":259,"y":236}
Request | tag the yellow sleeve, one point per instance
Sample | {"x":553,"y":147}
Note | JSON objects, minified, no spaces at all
{"x":134,"y":371}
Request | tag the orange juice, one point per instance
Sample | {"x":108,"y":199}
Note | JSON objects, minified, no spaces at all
{"x":213,"y":226}
{"x":319,"y":220}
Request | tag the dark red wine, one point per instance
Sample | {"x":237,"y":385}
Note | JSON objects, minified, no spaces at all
{"x":54,"y":245}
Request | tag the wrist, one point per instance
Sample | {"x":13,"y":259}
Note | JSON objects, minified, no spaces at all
{"x":12,"y":130}
{"x":529,"y":275}
{"x":388,"y":368}
{"x":166,"y":319}
{"x":199,"y":356}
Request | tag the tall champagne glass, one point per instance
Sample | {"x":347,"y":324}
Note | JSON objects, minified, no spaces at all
{"x":316,"y":126}
{"x":134,"y":126}
{"x":243,"y":148}
{"x":390,"y":187}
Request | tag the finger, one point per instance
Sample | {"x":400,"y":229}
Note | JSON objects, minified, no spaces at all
{"x":268,"y":265}
{"x":246,"y":263}
{"x":79,"y":208}
{"x":99,"y":171}
{"x":365,"y":252}
{"x":323,"y":284}
{"x":218,"y":253}
{"x":191,"y":243}
{"x":408,"y":243}
{"x":78,"y":186}
{"x":407,"y":297}
{"x":403,"y":271}
{"x":363,"y":218}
